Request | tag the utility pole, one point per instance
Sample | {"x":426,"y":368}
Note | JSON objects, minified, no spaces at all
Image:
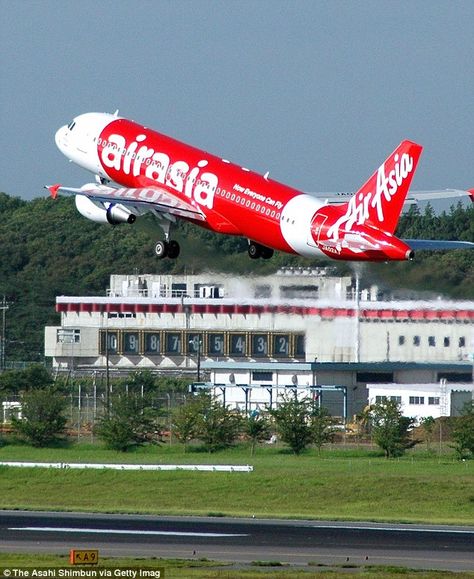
{"x":4,"y":307}
{"x":107,"y":376}
{"x":199,"y":359}
{"x":197,"y":343}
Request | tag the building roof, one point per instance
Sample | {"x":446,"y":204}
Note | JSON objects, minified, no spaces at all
{"x":326,"y":309}
{"x":337,"y":366}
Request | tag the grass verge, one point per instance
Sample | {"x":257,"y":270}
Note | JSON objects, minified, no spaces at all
{"x":350,"y":486}
{"x":203,"y":569}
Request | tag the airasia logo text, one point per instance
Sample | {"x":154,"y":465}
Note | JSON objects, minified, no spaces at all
{"x":361,"y":205}
{"x":136,"y":158}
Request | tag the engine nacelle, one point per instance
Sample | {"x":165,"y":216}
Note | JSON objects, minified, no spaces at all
{"x":109,"y":213}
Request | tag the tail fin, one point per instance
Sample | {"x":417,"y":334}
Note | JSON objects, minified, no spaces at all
{"x":380,"y":200}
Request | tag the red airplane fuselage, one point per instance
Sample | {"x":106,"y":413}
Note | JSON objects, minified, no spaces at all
{"x":237,"y":201}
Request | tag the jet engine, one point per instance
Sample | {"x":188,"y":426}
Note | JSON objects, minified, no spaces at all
{"x":107,"y":213}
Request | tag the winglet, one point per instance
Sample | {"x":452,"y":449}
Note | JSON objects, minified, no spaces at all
{"x":471,"y":194}
{"x":53,"y":189}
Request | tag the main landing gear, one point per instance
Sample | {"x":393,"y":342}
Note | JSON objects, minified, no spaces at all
{"x":256,"y":250}
{"x":169,"y":249}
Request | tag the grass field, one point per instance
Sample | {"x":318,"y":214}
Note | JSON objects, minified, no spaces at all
{"x":202,"y":569}
{"x":344,"y":484}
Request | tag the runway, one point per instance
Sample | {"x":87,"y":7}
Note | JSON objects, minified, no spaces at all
{"x":240,"y":540}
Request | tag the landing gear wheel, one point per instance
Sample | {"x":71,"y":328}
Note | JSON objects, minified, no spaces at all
{"x":267,"y":252}
{"x":169,"y":249}
{"x":173,"y":249}
{"x":254,"y":250}
{"x":161,"y":249}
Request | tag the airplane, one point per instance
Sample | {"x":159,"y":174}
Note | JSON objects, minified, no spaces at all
{"x":138,"y":170}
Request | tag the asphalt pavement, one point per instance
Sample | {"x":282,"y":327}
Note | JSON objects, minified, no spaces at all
{"x":241,"y":540}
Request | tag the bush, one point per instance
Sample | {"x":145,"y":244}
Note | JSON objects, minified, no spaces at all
{"x":390,"y":429}
{"x":129,"y":422}
{"x":43,"y":421}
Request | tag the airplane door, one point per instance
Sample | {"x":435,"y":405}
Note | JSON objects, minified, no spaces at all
{"x":315,"y":229}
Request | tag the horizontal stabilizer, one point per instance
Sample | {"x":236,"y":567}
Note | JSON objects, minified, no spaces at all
{"x":412,"y":198}
{"x":437,"y":244}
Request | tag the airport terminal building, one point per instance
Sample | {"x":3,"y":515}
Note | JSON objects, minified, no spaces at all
{"x":297,"y":316}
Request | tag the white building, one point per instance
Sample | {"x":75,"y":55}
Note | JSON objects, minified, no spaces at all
{"x":423,"y":400}
{"x":345,"y":388}
{"x":171,"y":322}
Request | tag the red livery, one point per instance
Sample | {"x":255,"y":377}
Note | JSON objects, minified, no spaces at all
{"x":154,"y":173}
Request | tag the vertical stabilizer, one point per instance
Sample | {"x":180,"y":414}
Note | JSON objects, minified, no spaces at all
{"x":380,"y":200}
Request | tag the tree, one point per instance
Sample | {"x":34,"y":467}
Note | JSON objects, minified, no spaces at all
{"x":43,"y":421}
{"x":185,"y":420}
{"x":33,"y":377}
{"x":218,"y":426}
{"x":428,"y":423}
{"x":390,"y":429}
{"x":322,"y":430}
{"x":256,"y":429}
{"x":32,"y":274}
{"x":130,"y":421}
{"x":463,"y":433}
{"x":141,"y":381}
{"x":292,"y":422}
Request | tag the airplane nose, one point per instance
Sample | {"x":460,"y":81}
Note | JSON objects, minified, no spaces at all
{"x":60,"y":137}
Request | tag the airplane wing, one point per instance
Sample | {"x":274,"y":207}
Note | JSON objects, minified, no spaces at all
{"x":140,"y":200}
{"x":437,"y":244}
{"x":412,"y":198}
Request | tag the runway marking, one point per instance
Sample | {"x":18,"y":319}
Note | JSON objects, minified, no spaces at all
{"x":125,"y":532}
{"x":395,"y":529}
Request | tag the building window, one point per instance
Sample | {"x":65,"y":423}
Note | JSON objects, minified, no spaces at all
{"x":281,"y":346}
{"x":263,"y":291}
{"x":462,"y":342}
{"x":262,"y":376}
{"x":300,"y":350}
{"x":121,"y":315}
{"x":178,"y":290}
{"x":457,"y":377}
{"x":431,"y":341}
{"x":433,"y":401}
{"x":380,"y":399}
{"x":299,"y":291}
{"x":374,"y":377}
{"x":195,"y":343}
{"x":259,"y":345}
{"x":152,"y":343}
{"x":238,"y":344}
{"x":401,"y":340}
{"x":397,"y":399}
{"x":173,"y":343}
{"x":216,"y":344}
{"x":68,"y":336}
{"x":416,"y":340}
{"x":446,"y":342}
{"x":130,"y":342}
{"x":109,"y":342}
{"x":417,"y":399}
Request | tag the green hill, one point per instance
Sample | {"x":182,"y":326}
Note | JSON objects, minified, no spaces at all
{"x":48,"y":249}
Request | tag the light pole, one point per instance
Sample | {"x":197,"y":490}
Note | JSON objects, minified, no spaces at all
{"x":196,"y":343}
{"x":4,"y":308}
{"x":107,"y":375}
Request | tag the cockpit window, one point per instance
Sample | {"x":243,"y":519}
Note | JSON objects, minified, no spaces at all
{"x":71,"y":125}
